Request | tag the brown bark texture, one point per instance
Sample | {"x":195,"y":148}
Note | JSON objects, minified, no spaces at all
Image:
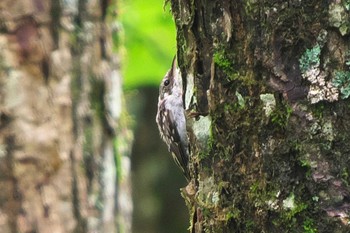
{"x":60,"y":102}
{"x":267,"y":87}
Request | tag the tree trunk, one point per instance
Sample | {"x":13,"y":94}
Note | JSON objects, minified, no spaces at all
{"x":267,"y":87}
{"x":60,"y":102}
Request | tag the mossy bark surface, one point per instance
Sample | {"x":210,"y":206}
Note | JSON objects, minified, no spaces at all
{"x":267,"y":87}
{"x":60,"y":101}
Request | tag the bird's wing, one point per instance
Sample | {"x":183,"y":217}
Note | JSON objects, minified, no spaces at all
{"x":178,"y":149}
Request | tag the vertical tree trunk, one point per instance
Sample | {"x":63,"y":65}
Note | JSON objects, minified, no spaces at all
{"x":60,"y":101}
{"x":267,"y":97}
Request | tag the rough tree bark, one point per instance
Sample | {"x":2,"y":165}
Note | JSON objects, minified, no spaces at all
{"x":60,"y":102}
{"x":267,"y":87}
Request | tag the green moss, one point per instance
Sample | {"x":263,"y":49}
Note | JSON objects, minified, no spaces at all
{"x":222,"y":61}
{"x":262,"y":196}
{"x":252,"y":7}
{"x":305,"y":163}
{"x":280,"y":115}
{"x":292,"y":207}
{"x":233,"y":214}
{"x":308,"y":226}
{"x":232,"y":107}
{"x":290,"y":213}
{"x":289,"y":217}
{"x":202,"y":155}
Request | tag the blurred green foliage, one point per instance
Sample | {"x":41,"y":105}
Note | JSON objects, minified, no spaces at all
{"x":149,"y":41}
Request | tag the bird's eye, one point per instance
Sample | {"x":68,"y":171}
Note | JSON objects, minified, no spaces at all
{"x":166,"y":82}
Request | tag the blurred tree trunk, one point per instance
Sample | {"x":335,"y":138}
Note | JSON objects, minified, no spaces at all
{"x":269,"y":117}
{"x":60,"y":103}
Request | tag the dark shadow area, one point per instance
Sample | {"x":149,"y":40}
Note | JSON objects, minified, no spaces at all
{"x":158,"y":205}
